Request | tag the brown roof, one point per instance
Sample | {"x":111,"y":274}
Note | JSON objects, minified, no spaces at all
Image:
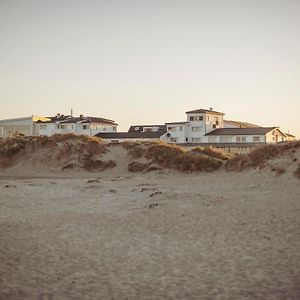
{"x":85,"y":120}
{"x":242,"y":131}
{"x":241,"y":124}
{"x":130,"y":135}
{"x":204,"y":111}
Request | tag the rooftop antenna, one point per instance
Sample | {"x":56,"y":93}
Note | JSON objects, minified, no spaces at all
{"x":71,"y":112}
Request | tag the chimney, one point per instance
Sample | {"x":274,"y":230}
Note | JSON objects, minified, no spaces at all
{"x":71,"y":112}
{"x":210,"y":108}
{"x":81,"y":117}
{"x":58,"y":115}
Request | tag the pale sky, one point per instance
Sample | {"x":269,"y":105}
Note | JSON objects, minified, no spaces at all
{"x":142,"y":62}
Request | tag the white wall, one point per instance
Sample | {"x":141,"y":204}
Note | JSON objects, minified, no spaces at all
{"x":11,"y":127}
{"x":77,"y":128}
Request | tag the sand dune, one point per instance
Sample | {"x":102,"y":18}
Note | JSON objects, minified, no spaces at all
{"x":80,"y":233}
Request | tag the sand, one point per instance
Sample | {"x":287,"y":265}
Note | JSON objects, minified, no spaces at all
{"x":150,"y":236}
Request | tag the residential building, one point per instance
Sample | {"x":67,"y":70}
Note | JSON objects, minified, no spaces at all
{"x":135,"y":133}
{"x":206,"y":127}
{"x":26,"y":126}
{"x":60,"y":124}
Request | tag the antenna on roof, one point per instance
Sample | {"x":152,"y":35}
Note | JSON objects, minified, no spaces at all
{"x":71,"y":112}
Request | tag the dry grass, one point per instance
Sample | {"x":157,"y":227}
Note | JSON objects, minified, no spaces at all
{"x":260,"y":156}
{"x":213,"y":152}
{"x":175,"y":157}
{"x":138,"y":167}
{"x":97,"y":165}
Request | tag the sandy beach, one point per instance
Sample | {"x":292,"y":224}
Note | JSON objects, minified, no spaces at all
{"x":162,"y":235}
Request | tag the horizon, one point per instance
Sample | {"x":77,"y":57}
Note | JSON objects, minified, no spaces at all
{"x":140,"y":62}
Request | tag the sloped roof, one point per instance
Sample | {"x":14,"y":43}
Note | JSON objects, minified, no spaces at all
{"x":177,"y":123}
{"x":130,"y":135}
{"x":241,"y":124}
{"x":204,"y":111}
{"x":140,"y":128}
{"x":69,"y":119}
{"x":242,"y":131}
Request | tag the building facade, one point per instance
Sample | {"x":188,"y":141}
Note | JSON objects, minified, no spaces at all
{"x":208,"y":127}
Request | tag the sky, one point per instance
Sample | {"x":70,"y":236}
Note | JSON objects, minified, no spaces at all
{"x":148,"y":62}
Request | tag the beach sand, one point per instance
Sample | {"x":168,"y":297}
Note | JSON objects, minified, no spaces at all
{"x":150,"y":236}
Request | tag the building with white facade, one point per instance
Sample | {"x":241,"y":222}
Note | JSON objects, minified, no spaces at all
{"x":20,"y":126}
{"x":60,"y":124}
{"x":206,"y":127}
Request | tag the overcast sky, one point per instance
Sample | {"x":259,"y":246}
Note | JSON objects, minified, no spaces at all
{"x":140,"y":62}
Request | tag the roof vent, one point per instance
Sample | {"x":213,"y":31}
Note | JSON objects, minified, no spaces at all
{"x":58,"y":115}
{"x":81,"y":117}
{"x":210,"y":108}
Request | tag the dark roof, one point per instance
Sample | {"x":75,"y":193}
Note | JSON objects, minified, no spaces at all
{"x":175,"y":123}
{"x":129,"y":135}
{"x":204,"y":111}
{"x":241,"y":124}
{"x":69,"y":119}
{"x":242,"y":131}
{"x":140,"y":128}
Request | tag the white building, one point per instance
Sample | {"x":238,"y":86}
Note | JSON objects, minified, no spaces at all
{"x":20,"y":126}
{"x":60,"y":124}
{"x":208,"y":127}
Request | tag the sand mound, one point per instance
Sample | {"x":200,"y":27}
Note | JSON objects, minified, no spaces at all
{"x":77,"y":152}
{"x":279,"y":158}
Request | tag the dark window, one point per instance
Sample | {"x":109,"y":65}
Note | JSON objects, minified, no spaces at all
{"x":201,"y":118}
{"x":186,"y":139}
{"x":217,"y":122}
{"x":191,"y":118}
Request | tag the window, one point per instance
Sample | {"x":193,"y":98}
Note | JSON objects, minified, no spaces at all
{"x":196,"y":140}
{"x":207,"y":118}
{"x":43,"y":127}
{"x":180,"y":128}
{"x":196,"y":129}
{"x":186,"y":139}
{"x":84,"y":127}
{"x":191,"y":118}
{"x":240,"y":139}
{"x":256,"y":139}
{"x":114,"y":128}
{"x":225,"y":139}
{"x":57,"y":126}
{"x":172,"y":128}
{"x":173,"y":140}
{"x":217,"y":122}
{"x":212,"y":139}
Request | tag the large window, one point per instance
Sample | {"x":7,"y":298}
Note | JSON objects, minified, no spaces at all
{"x":212,"y":139}
{"x":225,"y":139}
{"x":196,"y":129}
{"x":196,"y":140}
{"x":84,"y":127}
{"x":256,"y":139}
{"x":240,"y":139}
{"x":43,"y":127}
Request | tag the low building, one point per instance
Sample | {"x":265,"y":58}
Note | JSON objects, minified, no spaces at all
{"x":61,"y":124}
{"x":135,"y":133}
{"x":26,"y":126}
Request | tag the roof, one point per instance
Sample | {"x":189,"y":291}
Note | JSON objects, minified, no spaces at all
{"x":69,"y":119}
{"x":140,"y":128}
{"x":290,"y":135}
{"x":242,"y":131}
{"x":204,"y":111}
{"x":177,"y":123}
{"x":129,"y":135}
{"x":241,"y":124}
